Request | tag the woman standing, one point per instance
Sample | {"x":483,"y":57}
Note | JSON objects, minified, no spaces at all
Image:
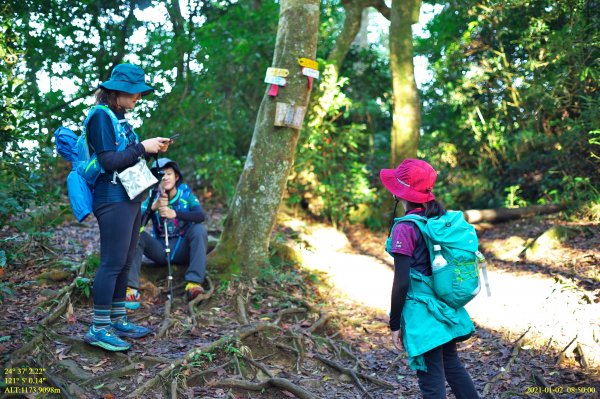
{"x":118,"y":216}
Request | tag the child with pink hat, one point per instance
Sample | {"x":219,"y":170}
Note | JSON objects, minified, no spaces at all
{"x":421,"y":324}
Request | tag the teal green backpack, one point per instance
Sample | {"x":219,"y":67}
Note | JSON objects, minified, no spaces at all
{"x":458,"y":282}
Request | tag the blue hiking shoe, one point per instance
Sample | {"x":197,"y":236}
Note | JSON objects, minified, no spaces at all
{"x":124,"y":328}
{"x":132,"y":298}
{"x":105,"y":339}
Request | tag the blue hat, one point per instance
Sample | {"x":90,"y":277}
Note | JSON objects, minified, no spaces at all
{"x":128,"y":78}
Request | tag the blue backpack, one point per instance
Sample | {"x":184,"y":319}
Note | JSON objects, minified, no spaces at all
{"x":458,"y":281}
{"x":85,"y":167}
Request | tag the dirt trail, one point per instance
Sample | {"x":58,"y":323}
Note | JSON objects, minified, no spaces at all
{"x":552,"y":310}
{"x":553,"y":303}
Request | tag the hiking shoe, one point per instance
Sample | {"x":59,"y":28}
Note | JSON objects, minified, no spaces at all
{"x":124,"y":328}
{"x":193,"y":290}
{"x":132,"y":297}
{"x":105,"y":339}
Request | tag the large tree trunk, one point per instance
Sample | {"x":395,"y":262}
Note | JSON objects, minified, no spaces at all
{"x":244,"y":244}
{"x":406,"y":111}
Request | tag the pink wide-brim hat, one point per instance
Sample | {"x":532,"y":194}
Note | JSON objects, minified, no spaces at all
{"x":412,"y":180}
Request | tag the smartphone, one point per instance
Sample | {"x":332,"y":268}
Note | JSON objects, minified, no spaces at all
{"x":174,"y":137}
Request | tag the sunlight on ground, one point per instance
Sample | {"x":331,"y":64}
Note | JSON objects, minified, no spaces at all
{"x":553,"y":311}
{"x":550,"y":310}
{"x":357,"y":277}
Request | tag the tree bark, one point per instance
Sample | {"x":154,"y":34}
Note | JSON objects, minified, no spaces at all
{"x":406,"y":110}
{"x":353,"y":10}
{"x":353,"y":15}
{"x":244,"y":244}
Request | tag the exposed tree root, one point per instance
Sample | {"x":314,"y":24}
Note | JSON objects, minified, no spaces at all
{"x":211,"y":370}
{"x":54,"y":381}
{"x":582,"y":356}
{"x":27,"y":349}
{"x":320,"y":322}
{"x":167,"y":321}
{"x":65,"y":391}
{"x":68,"y":289}
{"x":507,"y":368}
{"x":114,"y":374}
{"x":57,"y":312}
{"x":288,"y":348}
{"x":60,"y":309}
{"x":258,"y":365}
{"x":284,"y":312}
{"x":280,"y":383}
{"x":542,"y":381}
{"x":16,"y":357}
{"x":164,"y":327}
{"x":563,"y":353}
{"x":241,"y":308}
{"x":242,"y":333}
{"x":202,"y":297}
{"x":354,"y":375}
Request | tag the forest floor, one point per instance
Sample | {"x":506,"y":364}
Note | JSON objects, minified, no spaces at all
{"x":318,"y":331}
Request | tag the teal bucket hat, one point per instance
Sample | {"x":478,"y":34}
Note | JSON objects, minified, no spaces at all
{"x":128,"y":78}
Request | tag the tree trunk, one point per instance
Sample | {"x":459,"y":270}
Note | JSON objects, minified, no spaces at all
{"x":406,"y":110}
{"x":179,"y":39}
{"x":353,"y":15}
{"x":353,"y":10}
{"x":244,"y":244}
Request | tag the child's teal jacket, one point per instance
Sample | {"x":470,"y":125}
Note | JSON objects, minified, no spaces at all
{"x":427,"y":322}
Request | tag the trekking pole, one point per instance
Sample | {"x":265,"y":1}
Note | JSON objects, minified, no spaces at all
{"x":154,"y":194}
{"x":160,"y":191}
{"x":168,"y":253}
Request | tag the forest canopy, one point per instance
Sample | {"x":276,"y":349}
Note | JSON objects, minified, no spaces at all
{"x":509,"y":109}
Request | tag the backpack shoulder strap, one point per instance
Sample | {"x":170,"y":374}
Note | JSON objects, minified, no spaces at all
{"x":104,"y":108}
{"x":419,"y":220}
{"x":120,"y":136}
{"x":414,"y":218}
{"x":422,"y":223}
{"x":185,"y":191}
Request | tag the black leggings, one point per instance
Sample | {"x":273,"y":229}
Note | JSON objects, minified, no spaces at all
{"x":444,"y":365}
{"x":119,"y":232}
